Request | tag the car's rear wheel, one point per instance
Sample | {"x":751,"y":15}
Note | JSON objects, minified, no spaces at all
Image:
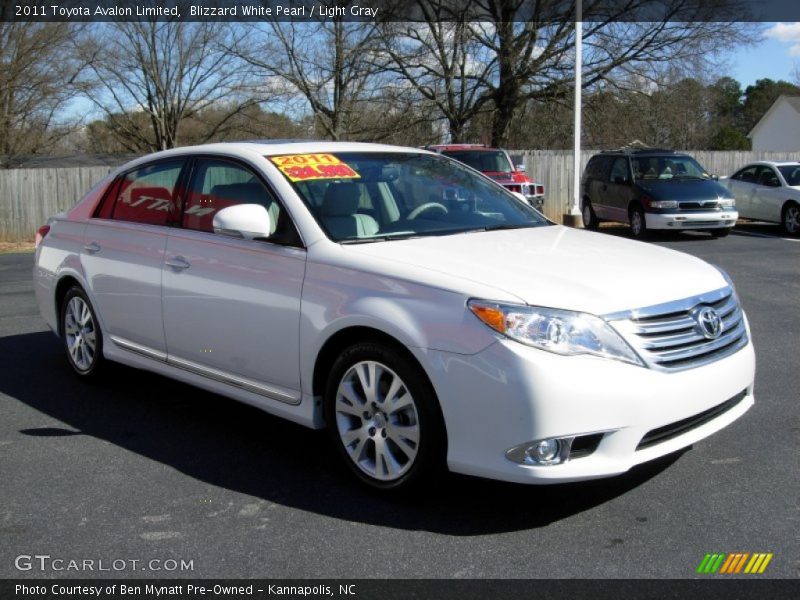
{"x":720,"y":233}
{"x":80,"y":332}
{"x":790,"y":220}
{"x":637,"y":223}
{"x":383,"y":417}
{"x":589,"y":218}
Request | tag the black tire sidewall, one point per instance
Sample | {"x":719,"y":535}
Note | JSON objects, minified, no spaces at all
{"x":98,"y":353}
{"x":431,"y":452}
{"x":592,"y":223}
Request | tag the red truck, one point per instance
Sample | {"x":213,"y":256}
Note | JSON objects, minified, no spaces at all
{"x":497,"y":164}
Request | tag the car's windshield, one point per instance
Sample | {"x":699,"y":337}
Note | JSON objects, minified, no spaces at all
{"x":483,"y":160}
{"x":669,"y":167}
{"x":791,"y":173}
{"x":371,"y":196}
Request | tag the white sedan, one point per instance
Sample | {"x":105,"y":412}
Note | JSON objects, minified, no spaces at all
{"x":768,"y":191}
{"x":423,"y":314}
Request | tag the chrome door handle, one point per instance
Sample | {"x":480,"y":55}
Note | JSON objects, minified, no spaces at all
{"x":178,"y":262}
{"x":92,"y":248}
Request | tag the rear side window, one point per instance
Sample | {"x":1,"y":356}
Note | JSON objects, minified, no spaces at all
{"x":147,"y":194}
{"x":598,"y":167}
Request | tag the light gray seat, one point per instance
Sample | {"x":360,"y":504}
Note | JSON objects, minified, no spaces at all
{"x":246,"y":193}
{"x":339,"y":212}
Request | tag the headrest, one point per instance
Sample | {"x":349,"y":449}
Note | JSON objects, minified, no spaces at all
{"x":341,"y":200}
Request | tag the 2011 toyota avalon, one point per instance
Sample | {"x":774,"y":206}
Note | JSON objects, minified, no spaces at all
{"x":421,"y":312}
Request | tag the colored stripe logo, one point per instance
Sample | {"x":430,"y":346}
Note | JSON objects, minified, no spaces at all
{"x":735,"y":563}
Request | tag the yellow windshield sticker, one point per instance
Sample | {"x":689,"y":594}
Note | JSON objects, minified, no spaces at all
{"x":305,"y":167}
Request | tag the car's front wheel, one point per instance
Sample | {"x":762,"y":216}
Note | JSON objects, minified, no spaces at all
{"x":638,"y":223}
{"x":790,"y":220}
{"x":80,"y":331}
{"x":721,"y":232}
{"x":383,"y":417}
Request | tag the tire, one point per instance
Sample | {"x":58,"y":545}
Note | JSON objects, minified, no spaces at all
{"x":589,"y":218}
{"x":638,"y":223}
{"x":720,"y":233}
{"x":81,"y":335}
{"x":790,"y":218}
{"x":390,"y":433}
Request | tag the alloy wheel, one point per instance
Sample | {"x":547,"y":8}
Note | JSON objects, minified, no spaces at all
{"x":81,"y":333}
{"x":377,"y":420}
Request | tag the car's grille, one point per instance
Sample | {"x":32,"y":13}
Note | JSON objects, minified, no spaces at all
{"x":667,"y":432}
{"x":671,"y":336}
{"x":707,"y":205}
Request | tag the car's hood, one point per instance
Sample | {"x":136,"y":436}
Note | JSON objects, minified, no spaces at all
{"x":691,"y":189}
{"x":556,"y":266}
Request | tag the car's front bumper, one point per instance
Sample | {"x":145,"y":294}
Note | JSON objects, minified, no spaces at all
{"x":510,"y":394}
{"x":683,"y":220}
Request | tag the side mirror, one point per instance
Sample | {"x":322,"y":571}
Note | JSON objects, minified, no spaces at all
{"x":520,"y":168}
{"x":246,"y":221}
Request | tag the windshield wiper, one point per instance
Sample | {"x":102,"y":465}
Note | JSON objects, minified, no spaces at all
{"x":381,"y":238}
{"x":505,"y":226}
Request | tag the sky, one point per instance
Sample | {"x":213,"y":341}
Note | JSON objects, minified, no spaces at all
{"x":776,"y":57}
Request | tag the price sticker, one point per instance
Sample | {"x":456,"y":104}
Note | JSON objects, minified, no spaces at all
{"x":306,"y":167}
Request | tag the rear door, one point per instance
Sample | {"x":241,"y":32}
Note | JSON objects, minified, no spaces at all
{"x":232,"y":306}
{"x":617,"y":192}
{"x":123,"y":253}
{"x":597,"y":186}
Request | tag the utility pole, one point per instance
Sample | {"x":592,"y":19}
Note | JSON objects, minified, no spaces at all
{"x":572,"y":217}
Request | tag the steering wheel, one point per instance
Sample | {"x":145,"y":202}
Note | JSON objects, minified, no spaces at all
{"x":428,"y":206}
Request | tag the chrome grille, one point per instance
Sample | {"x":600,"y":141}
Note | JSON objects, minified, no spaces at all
{"x":670,"y":337}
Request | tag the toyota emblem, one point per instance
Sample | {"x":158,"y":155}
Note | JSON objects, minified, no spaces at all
{"x":709,"y":323}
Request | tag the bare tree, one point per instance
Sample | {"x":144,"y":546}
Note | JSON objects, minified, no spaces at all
{"x":168,"y":70}
{"x":441,"y":60}
{"x":534,"y":57}
{"x":329,"y":65}
{"x":36,"y":83}
{"x":476,"y":56}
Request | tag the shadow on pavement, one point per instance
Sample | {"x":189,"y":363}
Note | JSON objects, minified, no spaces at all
{"x":234,"y":446}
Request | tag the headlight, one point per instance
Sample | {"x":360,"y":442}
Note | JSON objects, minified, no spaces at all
{"x":663,"y":204}
{"x":560,"y":331}
{"x":727,"y":203}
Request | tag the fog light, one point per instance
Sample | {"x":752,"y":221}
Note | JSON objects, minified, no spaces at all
{"x":543,"y":452}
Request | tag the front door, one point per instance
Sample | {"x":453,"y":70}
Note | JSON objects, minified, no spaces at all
{"x":232,"y":306}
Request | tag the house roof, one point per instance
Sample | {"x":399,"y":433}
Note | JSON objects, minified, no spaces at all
{"x":794,"y":102}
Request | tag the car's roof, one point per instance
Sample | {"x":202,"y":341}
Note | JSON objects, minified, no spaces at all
{"x":774,"y":163}
{"x":641,"y":152}
{"x":271,"y":148}
{"x":459,"y":147}
{"x":276,"y":147}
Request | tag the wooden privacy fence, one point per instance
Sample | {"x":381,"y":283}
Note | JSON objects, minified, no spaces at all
{"x":29,"y":196}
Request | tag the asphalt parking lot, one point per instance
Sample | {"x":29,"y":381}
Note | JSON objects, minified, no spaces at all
{"x":141,"y":468}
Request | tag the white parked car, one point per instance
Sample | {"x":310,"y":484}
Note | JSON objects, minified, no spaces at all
{"x":768,"y":191}
{"x":420,"y":311}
